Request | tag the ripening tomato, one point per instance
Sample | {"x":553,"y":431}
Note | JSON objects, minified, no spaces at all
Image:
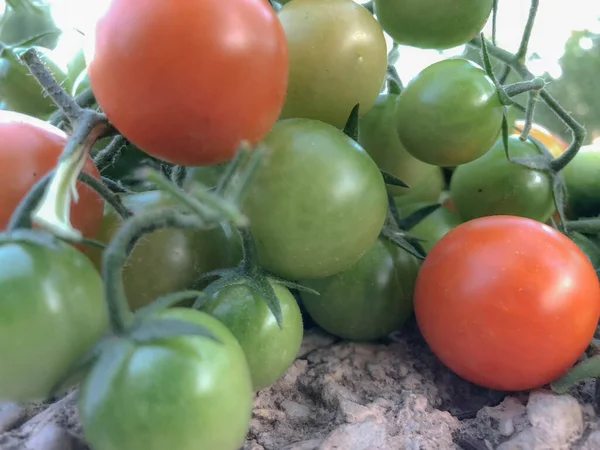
{"x":29,"y":148}
{"x":449,"y":114}
{"x":507,"y":302}
{"x":194,"y":78}
{"x":338,"y":58}
{"x":553,"y":143}
{"x":582,"y":180}
{"x":434,"y":24}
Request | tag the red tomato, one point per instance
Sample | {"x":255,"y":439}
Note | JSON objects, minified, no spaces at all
{"x":29,"y":148}
{"x":507,"y":302}
{"x":187,"y":80}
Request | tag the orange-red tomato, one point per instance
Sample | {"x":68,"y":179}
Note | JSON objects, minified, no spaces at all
{"x":507,"y":302}
{"x":187,"y":80}
{"x":29,"y":148}
{"x":553,"y":143}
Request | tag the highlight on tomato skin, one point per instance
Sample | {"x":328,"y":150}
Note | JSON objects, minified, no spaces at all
{"x":507,"y":302}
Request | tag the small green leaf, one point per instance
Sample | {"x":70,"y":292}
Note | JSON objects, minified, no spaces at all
{"x":504,"y":129}
{"x":413,"y":219}
{"x":151,"y":330}
{"x":218,"y":273}
{"x":590,"y":368}
{"x":291,"y":285}
{"x":392,"y":180}
{"x":559,"y":192}
{"x":351,"y":127}
{"x":104,"y":372}
{"x":394,"y":87}
{"x":93,"y":243}
{"x":403,"y":243}
{"x":164,"y":302}
{"x":265,"y":291}
{"x":233,"y":278}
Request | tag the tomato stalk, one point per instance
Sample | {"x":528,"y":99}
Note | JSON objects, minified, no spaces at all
{"x":110,"y":153}
{"x":520,"y":87}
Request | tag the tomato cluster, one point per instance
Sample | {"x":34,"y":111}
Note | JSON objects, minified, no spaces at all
{"x":370,"y":203}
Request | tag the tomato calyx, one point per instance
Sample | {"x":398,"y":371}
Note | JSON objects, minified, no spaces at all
{"x":396,"y":228}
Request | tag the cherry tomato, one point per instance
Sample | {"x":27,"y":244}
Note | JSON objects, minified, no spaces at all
{"x":29,"y":149}
{"x":370,"y":299}
{"x":553,"y":143}
{"x":269,"y":350}
{"x":432,"y":227}
{"x":507,"y":302}
{"x":434,"y":24}
{"x":165,"y":260}
{"x":449,"y":114}
{"x":317,"y":202}
{"x":216,"y":76}
{"x":377,"y":135}
{"x":583,"y":182}
{"x":338,"y":58}
{"x":184,"y":392}
{"x":493,"y":185}
{"x":52,"y":310}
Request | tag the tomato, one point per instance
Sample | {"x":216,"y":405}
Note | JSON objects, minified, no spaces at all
{"x":165,"y":260}
{"x":338,"y":58}
{"x":553,"y":143}
{"x":185,"y":392}
{"x":507,"y":302}
{"x":493,"y":185}
{"x":377,"y":135}
{"x":28,"y":150}
{"x":370,"y":299}
{"x":582,"y":180}
{"x":52,"y":310}
{"x":449,"y":114}
{"x":317,"y":201}
{"x":269,"y":350}
{"x":433,"y":24}
{"x":215,"y":77}
{"x":432,"y":227}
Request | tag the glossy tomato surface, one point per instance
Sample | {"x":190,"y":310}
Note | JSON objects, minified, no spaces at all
{"x":507,"y":302}
{"x":317,"y":202}
{"x":338,"y":58}
{"x":449,"y":114}
{"x":52,"y":309}
{"x":582,"y":180}
{"x":269,"y":350}
{"x":194,"y":77}
{"x":433,"y":24}
{"x":29,"y":148}
{"x":370,"y":299}
{"x":493,"y":185}
{"x":183,"y":392}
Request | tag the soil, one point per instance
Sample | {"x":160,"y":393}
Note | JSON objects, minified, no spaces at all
{"x":354,"y":396}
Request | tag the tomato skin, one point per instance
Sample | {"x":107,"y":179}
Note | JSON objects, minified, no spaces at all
{"x":185,"y":393}
{"x":377,"y":135}
{"x":221,"y":75}
{"x":370,"y":299}
{"x":492,"y":185}
{"x":553,"y":143}
{"x":28,"y":150}
{"x":326,"y":201}
{"x":432,"y":24}
{"x":338,"y":58}
{"x":269,"y":350}
{"x":433,"y":227}
{"x":449,"y":114}
{"x":52,"y":309}
{"x":165,"y":260}
{"x":582,"y":182}
{"x":507,"y":302}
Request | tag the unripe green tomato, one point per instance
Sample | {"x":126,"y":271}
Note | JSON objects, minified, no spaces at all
{"x":582,"y":180}
{"x":337,"y":58}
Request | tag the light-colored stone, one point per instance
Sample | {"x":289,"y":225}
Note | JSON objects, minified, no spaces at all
{"x":368,"y":435}
{"x":10,"y":414}
{"x":53,"y":437}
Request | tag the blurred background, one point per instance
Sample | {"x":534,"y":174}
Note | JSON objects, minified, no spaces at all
{"x":564,"y":49}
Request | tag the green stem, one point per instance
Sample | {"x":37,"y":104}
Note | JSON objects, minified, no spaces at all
{"x":21,"y":217}
{"x":521,"y":87}
{"x":108,"y":155}
{"x":118,"y":250}
{"x":529,"y":113}
{"x":589,"y":226}
{"x":494,"y":21}
{"x":250,"y":257}
{"x":103,"y":190}
{"x":522,"y":52}
{"x":85,"y":99}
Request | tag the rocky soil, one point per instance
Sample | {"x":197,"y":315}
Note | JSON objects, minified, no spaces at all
{"x":348,"y":396}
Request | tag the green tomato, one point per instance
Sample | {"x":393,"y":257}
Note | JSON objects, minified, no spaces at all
{"x":269,"y":350}
{"x":449,"y":114}
{"x":588,"y":246}
{"x":432,"y":24}
{"x":181,"y":393}
{"x":492,"y":185}
{"x":337,"y":58}
{"x":370,"y":299}
{"x":433,"y":227}
{"x":52,"y":309}
{"x":377,"y":135}
{"x":317,"y":201}
{"x":582,"y":180}
{"x":169,"y":259}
